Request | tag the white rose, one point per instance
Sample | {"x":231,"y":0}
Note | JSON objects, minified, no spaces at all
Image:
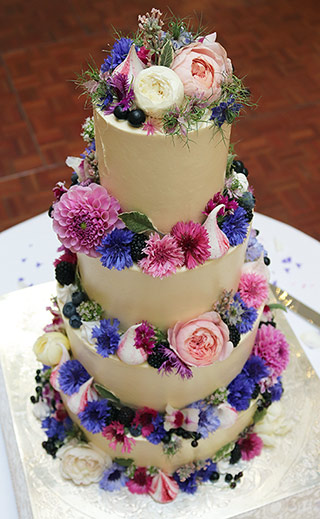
{"x":48,"y":348}
{"x":274,"y":424}
{"x":157,"y":89}
{"x":82,"y":463}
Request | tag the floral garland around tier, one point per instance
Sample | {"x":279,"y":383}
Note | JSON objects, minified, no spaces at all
{"x":99,"y":411}
{"x":166,"y":77}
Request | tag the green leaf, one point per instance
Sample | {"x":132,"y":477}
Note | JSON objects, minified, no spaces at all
{"x":167,"y":55}
{"x":223,"y":452}
{"x":279,"y":306}
{"x":137,"y":222}
{"x":106,"y":394}
{"x":259,"y":415}
{"x":124,"y":462}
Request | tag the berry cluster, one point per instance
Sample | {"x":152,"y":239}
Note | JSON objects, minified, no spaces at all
{"x":134,"y":117}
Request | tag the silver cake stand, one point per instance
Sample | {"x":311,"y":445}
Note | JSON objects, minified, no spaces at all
{"x":283,"y":482}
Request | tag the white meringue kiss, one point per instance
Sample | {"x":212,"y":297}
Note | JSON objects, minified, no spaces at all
{"x":131,"y":66}
{"x":163,"y":488}
{"x":227,"y":415}
{"x":219,"y":243}
{"x":157,"y":89}
{"x":127,"y":352}
{"x":78,"y":401}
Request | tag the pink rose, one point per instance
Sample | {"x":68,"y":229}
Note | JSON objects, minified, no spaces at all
{"x":201,"y":341}
{"x":202,"y":67}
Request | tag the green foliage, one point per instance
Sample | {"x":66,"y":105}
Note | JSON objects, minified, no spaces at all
{"x":124,"y":462}
{"x":137,"y":222}
{"x":223,"y":452}
{"x":259,"y":415}
{"x":106,"y":394}
{"x":166,"y":55}
{"x":277,"y":306}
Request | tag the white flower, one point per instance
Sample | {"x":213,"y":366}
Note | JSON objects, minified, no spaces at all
{"x":65,"y":292}
{"x":274,"y":424}
{"x":49,"y":347}
{"x":82,"y":463}
{"x":41,"y":410}
{"x":238,"y":184}
{"x":157,"y":89}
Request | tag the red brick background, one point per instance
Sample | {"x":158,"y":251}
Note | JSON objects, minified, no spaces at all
{"x":274,"y":43}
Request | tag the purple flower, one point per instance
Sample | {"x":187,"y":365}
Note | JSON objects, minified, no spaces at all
{"x":240,"y":391}
{"x":225,"y":111}
{"x":235,"y":226}
{"x":208,"y":418}
{"x":115,"y":249}
{"x":113,"y":478}
{"x":71,"y":376}
{"x":276,"y":390}
{"x":159,"y":432}
{"x":256,"y":369}
{"x":172,"y":363}
{"x":248,"y":315}
{"x":107,"y":337}
{"x":188,"y":485}
{"x":118,"y":54}
{"x":254,"y":248}
{"x":54,"y":428}
{"x":123,"y":90}
{"x":95,"y":416}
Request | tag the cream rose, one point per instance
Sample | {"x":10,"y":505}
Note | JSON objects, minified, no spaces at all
{"x":273,"y":425}
{"x":201,"y":341}
{"x":48,"y":348}
{"x":157,"y":89}
{"x":82,"y":463}
{"x":203,"y":67}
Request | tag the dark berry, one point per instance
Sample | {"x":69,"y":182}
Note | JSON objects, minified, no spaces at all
{"x":135,"y":430}
{"x":69,"y":309}
{"x":65,"y":273}
{"x":245,"y":172}
{"x":233,"y":484}
{"x":120,"y":113}
{"x":166,"y":438}
{"x":228,"y":478}
{"x":238,"y":166}
{"x":267,"y":396}
{"x":156,"y":358}
{"x":125,"y":416}
{"x":256,"y":392}
{"x":33,"y":399}
{"x":138,"y":243}
{"x":234,"y":335}
{"x":38,"y":372}
{"x":266,"y":260}
{"x":113,"y":413}
{"x":238,"y":476}
{"x":235,"y":454}
{"x":39,"y":390}
{"x":75,"y":321}
{"x":74,"y":178}
{"x":50,"y":211}
{"x":79,"y":297}
{"x":179,"y":431}
{"x":44,"y":445}
{"x":194,"y":443}
{"x":197,"y":436}
{"x":214,"y":476}
{"x":185,"y":435}
{"x":37,"y":379}
{"x":249,"y":215}
{"x":136,"y":117}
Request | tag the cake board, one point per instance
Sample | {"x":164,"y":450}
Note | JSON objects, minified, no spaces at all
{"x":283,"y":481}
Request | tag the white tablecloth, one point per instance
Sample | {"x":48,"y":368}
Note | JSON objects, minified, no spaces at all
{"x":27,"y":252}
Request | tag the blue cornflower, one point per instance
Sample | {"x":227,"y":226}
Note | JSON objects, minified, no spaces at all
{"x":235,"y":226}
{"x":189,"y":485}
{"x":208,"y":421}
{"x":159,"y":432}
{"x":56,"y":429}
{"x":254,"y":249}
{"x":95,"y":415}
{"x":276,"y":390}
{"x":71,"y":376}
{"x":248,"y":319}
{"x":119,"y":52}
{"x":205,"y":473}
{"x":105,"y":100}
{"x":240,"y":391}
{"x":225,"y":111}
{"x":107,"y":337}
{"x":255,"y":369}
{"x":115,"y":249}
{"x":113,"y":478}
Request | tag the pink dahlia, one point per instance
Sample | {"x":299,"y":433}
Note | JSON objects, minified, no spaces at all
{"x":271,"y":345}
{"x":115,"y":433}
{"x":253,"y":288}
{"x":250,"y":446}
{"x":141,"y":482}
{"x":163,"y":258}
{"x":193,"y":238}
{"x":83,"y":215}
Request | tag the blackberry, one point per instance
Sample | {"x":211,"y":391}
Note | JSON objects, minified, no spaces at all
{"x":65,"y":272}
{"x":138,"y":243}
{"x":249,"y":215}
{"x":126,"y":415}
{"x":234,"y":335}
{"x":113,"y":413}
{"x":156,"y":358}
{"x":235,"y":454}
{"x":79,"y":297}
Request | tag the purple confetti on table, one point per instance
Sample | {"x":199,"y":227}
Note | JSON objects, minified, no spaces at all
{"x":23,"y":260}
{"x":20,"y":279}
{"x":287,"y":260}
{"x":38,"y":264}
{"x":287,"y":270}
{"x":299,"y":265}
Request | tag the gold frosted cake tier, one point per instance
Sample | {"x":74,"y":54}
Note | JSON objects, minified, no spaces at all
{"x":160,"y":175}
{"x":142,"y":385}
{"x":132,"y":296}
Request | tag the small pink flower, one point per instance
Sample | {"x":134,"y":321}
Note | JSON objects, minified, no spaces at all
{"x":271,"y":345}
{"x":218,"y":199}
{"x":187,"y":418}
{"x":115,"y":432}
{"x":163,"y":258}
{"x":144,"y":418}
{"x":141,"y":482}
{"x":144,"y":54}
{"x":253,"y":288}
{"x":83,"y":216}
{"x":193,"y":238}
{"x":250,"y":446}
{"x":145,"y":337}
{"x":203,"y":67}
{"x":201,"y":341}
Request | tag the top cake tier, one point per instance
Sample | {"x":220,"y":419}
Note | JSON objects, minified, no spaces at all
{"x":161,"y":175}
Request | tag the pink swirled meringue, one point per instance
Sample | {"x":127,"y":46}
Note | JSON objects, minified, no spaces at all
{"x":219,"y":243}
{"x":163,"y":488}
{"x":227,"y":415}
{"x":131,"y":66}
{"x":55,"y":372}
{"x":78,"y":401}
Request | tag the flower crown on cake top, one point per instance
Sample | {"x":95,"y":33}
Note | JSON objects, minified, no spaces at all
{"x":166,"y":77}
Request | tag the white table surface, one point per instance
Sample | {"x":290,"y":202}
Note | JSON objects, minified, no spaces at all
{"x":27,"y":251}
